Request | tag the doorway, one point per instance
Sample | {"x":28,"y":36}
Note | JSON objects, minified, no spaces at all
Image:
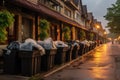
{"x":27,"y":28}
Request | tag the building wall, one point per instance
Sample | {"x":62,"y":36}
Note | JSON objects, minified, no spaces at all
{"x":74,"y":15}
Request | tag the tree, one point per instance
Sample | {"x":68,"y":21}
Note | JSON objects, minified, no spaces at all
{"x":113,"y":17}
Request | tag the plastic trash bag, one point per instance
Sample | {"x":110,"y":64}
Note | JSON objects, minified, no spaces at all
{"x":60,"y":44}
{"x":14,"y":45}
{"x":29,"y":40}
{"x":26,"y":46}
{"x":47,"y":43}
{"x":30,"y":44}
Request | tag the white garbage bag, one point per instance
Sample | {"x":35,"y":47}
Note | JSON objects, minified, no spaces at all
{"x":60,"y":44}
{"x":29,"y":44}
{"x":26,"y":46}
{"x":29,"y":40}
{"x":47,"y":43}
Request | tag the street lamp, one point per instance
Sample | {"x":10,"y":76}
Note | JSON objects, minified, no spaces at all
{"x":97,"y":26}
{"x":105,"y":32}
{"x":97,"y":38}
{"x":105,"y":38}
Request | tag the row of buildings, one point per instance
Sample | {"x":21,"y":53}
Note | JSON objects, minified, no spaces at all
{"x":60,"y":13}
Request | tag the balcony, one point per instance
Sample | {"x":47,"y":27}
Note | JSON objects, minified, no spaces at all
{"x":52,"y":4}
{"x":72,"y":4}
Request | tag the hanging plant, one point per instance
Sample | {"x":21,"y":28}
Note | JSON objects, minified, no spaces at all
{"x":82,"y":35}
{"x":66,"y":32}
{"x":6,"y":20}
{"x":44,"y":27}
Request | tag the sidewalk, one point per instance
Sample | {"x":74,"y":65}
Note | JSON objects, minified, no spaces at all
{"x":104,"y":64}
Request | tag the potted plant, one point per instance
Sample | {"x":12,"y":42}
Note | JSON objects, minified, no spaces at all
{"x":66,"y":32}
{"x":82,"y":35}
{"x":6,"y":20}
{"x":91,"y":36}
{"x":47,"y":60}
{"x":44,"y":27}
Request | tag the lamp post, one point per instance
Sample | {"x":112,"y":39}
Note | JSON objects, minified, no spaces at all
{"x":97,"y":26}
{"x":105,"y":33}
{"x":98,"y":41}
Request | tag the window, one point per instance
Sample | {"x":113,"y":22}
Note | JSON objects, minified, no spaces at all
{"x":67,"y":12}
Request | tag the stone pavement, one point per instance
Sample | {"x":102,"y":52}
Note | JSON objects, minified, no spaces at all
{"x":104,"y":64}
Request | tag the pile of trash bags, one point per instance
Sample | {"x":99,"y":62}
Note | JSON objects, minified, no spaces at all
{"x":30,"y":45}
{"x":47,"y":43}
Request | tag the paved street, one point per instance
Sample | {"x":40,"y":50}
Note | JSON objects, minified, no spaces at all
{"x":104,"y":64}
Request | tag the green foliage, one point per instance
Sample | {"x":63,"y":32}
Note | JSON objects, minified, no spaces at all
{"x":91,"y":36}
{"x":113,"y":17}
{"x":44,"y":24}
{"x":82,"y":34}
{"x":66,"y":32}
{"x":3,"y":34}
{"x":66,"y":36}
{"x":6,"y":20}
{"x":44,"y":27}
{"x":43,"y":35}
{"x":66,"y":29}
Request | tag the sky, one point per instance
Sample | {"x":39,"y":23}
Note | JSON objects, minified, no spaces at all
{"x":98,"y":8}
